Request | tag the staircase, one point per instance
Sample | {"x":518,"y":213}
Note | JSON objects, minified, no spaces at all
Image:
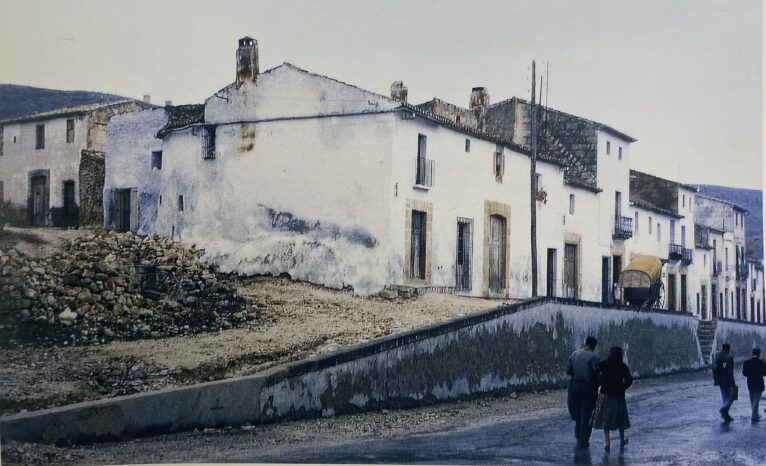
{"x":705,"y":335}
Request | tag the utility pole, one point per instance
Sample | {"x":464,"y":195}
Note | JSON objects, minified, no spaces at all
{"x":533,"y":186}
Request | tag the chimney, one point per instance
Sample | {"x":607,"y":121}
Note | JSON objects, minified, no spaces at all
{"x":247,"y":60}
{"x":478,"y":105}
{"x":147,"y":98}
{"x":168,"y":103}
{"x":399,"y":91}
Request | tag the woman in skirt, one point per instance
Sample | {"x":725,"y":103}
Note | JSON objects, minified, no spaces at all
{"x":611,"y":412}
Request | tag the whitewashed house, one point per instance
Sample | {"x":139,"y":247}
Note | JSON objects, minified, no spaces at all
{"x":755,"y":292}
{"x":52,"y":164}
{"x":291,"y":172}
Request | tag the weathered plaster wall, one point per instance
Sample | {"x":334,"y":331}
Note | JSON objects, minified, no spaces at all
{"x":519,"y":347}
{"x":289,"y":92}
{"x":742,"y":337}
{"x":131,"y":139}
{"x":308,"y":197}
{"x":19,"y":158}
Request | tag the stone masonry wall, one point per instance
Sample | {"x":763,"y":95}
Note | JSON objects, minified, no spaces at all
{"x":91,"y":184}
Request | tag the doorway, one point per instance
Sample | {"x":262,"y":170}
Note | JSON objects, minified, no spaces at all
{"x":605,"y":282}
{"x":70,"y":206}
{"x":671,"y":292}
{"x":463,"y":255}
{"x":121,"y":217}
{"x":616,"y":269}
{"x":550,"y":272}
{"x":683,"y":294}
{"x":570,"y":271}
{"x":418,"y":243}
{"x":496,"y":253}
{"x":39,"y":200}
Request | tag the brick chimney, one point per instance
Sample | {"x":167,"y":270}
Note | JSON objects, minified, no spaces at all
{"x":247,"y":60}
{"x":147,"y":98}
{"x":479,"y":105}
{"x":399,"y":91}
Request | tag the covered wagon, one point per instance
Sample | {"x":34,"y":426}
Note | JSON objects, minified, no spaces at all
{"x":641,"y":282}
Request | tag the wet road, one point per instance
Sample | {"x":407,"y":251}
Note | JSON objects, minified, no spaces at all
{"x":678,"y":423}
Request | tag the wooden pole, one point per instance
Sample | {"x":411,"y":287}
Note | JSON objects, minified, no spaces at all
{"x":533,"y":186}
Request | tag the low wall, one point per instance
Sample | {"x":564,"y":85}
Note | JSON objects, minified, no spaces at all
{"x":523,"y":346}
{"x":742,"y":336}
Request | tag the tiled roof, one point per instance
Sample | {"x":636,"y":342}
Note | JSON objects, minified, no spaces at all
{"x":649,"y":206}
{"x":71,"y":111}
{"x":182,"y":115}
{"x":735,"y":206}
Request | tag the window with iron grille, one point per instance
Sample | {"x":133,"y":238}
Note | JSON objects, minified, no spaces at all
{"x":208,"y":142}
{"x":70,"y":130}
{"x":499,"y":165}
{"x":40,"y":137}
{"x":425,"y":167}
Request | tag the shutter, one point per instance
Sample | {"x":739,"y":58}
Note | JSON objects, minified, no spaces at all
{"x":134,"y":209}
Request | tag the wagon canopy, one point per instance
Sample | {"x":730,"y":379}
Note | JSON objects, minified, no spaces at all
{"x":642,"y":272}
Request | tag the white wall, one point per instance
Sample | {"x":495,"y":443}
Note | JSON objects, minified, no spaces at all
{"x":131,"y":139}
{"x":58,"y":156}
{"x":332,"y":175}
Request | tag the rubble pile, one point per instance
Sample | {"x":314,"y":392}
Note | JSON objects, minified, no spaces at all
{"x":110,"y":285}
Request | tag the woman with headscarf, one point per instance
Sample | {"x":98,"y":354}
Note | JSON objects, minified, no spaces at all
{"x":611,"y":411}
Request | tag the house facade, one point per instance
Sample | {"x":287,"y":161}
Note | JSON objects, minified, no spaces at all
{"x":52,"y":164}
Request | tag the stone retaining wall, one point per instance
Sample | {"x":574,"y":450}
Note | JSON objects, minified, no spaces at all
{"x":742,"y":336}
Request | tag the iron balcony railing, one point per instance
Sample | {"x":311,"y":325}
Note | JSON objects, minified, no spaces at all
{"x":623,"y":227}
{"x":675,"y":252}
{"x":687,"y":256}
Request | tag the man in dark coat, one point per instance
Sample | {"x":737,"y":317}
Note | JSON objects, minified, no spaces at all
{"x":754,"y":369}
{"x":724,"y":378}
{"x":582,"y":368}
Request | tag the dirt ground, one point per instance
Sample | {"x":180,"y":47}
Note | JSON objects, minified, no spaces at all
{"x":294,"y":321}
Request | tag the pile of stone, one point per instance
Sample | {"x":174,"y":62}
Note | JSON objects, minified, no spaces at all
{"x":111,"y":285}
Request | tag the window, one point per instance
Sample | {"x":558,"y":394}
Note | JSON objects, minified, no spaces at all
{"x":499,"y":165}
{"x":40,"y":137}
{"x":180,"y":203}
{"x":157,"y":160}
{"x":467,"y":145}
{"x":659,"y":232}
{"x":2,"y":136}
{"x":571,"y":204}
{"x":650,"y":224}
{"x":70,"y":130}
{"x":160,"y":200}
{"x":683,"y":235}
{"x":619,"y":152}
{"x":208,"y":142}
{"x":683,"y":200}
{"x":635,"y":222}
{"x":424,"y":171}
{"x":538,"y":181}
{"x":608,"y":147}
{"x":704,"y":260}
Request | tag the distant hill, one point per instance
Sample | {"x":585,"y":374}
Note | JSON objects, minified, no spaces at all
{"x":750,"y":199}
{"x":16,"y":101}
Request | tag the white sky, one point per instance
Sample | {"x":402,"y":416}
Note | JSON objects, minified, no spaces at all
{"x":683,"y":77}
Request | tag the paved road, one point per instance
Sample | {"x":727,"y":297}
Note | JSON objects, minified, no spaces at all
{"x":678,"y":424}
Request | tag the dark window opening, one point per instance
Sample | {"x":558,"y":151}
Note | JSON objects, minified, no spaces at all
{"x":157,"y":160}
{"x":463,"y":266}
{"x":418,"y":246}
{"x":70,"y":130}
{"x":468,"y":145}
{"x":499,"y":165}
{"x":40,"y":137}
{"x":180,"y":203}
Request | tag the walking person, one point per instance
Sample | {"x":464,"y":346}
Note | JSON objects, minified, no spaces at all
{"x":583,"y":389}
{"x":611,"y":411}
{"x":723,"y":376}
{"x":754,"y":369}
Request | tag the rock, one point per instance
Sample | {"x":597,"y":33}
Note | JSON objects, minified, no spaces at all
{"x":107,"y":295}
{"x":5,"y":271}
{"x":30,"y":293}
{"x":67,"y":317}
{"x":145,"y":313}
{"x":39,"y":270}
{"x":108,"y":332}
{"x":85,"y":297}
{"x":101,"y":276}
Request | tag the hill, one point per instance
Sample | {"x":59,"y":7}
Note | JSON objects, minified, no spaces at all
{"x":18,"y":101}
{"x":750,"y":199}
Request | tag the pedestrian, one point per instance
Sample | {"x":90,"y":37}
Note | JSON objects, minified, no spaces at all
{"x":754,"y":369}
{"x":723,"y":376}
{"x":611,"y":411}
{"x":583,"y":388}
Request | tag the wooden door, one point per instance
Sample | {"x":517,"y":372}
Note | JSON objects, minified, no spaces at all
{"x":551,"y":274}
{"x":70,"y":212}
{"x":463,"y":255}
{"x":418,"y":246}
{"x":496,"y":253}
{"x":672,"y":292}
{"x":39,"y":201}
{"x":570,"y":271}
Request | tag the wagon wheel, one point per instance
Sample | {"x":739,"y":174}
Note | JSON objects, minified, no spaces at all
{"x":660,"y":301}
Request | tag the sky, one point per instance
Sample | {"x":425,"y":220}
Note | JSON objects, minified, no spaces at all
{"x":683,"y":77}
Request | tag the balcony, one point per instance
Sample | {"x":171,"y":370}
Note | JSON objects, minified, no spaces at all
{"x":717,"y":267}
{"x":687,"y":256}
{"x":424,"y":178}
{"x":623,"y":227}
{"x":675,"y":252}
